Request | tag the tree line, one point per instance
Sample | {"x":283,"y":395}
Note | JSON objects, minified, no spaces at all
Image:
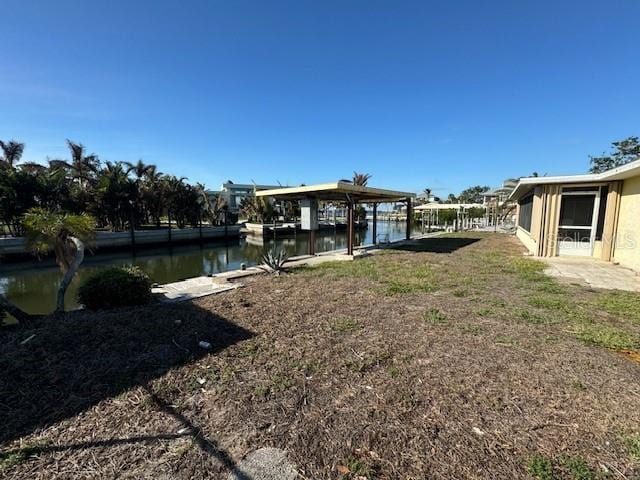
{"x":118,"y":195}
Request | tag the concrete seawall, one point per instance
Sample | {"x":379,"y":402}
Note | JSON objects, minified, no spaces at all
{"x":109,"y":240}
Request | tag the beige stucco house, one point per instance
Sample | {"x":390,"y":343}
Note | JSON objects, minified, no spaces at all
{"x":594,"y":215}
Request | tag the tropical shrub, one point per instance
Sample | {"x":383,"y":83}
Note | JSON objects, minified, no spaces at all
{"x":274,"y":261}
{"x":63,"y":233}
{"x":115,"y":287}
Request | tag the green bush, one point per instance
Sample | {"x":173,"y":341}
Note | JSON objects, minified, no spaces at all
{"x":115,"y":287}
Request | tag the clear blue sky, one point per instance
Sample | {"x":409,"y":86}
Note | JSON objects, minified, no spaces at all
{"x":419,"y":94}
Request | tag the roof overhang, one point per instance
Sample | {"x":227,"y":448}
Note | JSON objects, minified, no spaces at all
{"x":448,"y":206}
{"x":526,"y":184}
{"x":338,"y":192}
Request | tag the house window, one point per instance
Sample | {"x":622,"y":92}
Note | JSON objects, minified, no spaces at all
{"x":604,"y":192}
{"x":526,"y":208}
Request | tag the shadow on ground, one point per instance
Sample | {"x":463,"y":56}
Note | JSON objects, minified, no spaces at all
{"x":436,"y":245}
{"x":63,"y":366}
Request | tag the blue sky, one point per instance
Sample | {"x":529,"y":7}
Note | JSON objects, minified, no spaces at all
{"x":419,"y":94}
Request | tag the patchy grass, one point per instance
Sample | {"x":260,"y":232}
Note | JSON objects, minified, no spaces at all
{"x":435,"y":317}
{"x":621,"y":304}
{"x":345,"y":324}
{"x":11,"y":458}
{"x":577,"y":469}
{"x":405,"y":351}
{"x":550,"y":302}
{"x":530,"y":317}
{"x":578,"y":385}
{"x":541,"y":468}
{"x":633,"y":445}
{"x":606,"y":336}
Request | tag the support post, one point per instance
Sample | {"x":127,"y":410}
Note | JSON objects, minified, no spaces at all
{"x":409,"y":218}
{"x":312,"y":242}
{"x":375,"y":224}
{"x":309,"y":221}
{"x":350,"y":228}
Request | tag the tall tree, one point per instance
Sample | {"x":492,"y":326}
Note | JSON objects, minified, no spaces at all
{"x":624,"y":151}
{"x":473,"y":194}
{"x":64,"y":234}
{"x":11,"y":152}
{"x":83,"y":167}
{"x":140,"y":171}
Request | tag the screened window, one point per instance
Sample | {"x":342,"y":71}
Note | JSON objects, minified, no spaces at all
{"x":526,"y":208}
{"x":576,"y":210}
{"x":604,"y":192}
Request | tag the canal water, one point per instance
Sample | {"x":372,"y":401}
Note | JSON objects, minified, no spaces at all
{"x":32,"y":285}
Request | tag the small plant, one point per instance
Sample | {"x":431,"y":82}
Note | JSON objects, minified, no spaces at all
{"x":435,"y":316}
{"x":274,"y":261}
{"x":549,"y":303}
{"x":578,"y":385}
{"x":529,"y":317}
{"x":345,"y":324}
{"x":12,"y":458}
{"x":578,"y":469}
{"x":355,"y":469}
{"x":471,"y":329}
{"x":541,"y":468}
{"x":115,"y":287}
{"x":3,"y":314}
{"x":633,"y":445}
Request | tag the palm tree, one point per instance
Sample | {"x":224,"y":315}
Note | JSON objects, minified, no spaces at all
{"x":11,"y":152}
{"x":140,"y":169}
{"x":83,"y":167}
{"x":115,"y":194}
{"x":152,"y":192}
{"x":361,"y":179}
{"x":63,"y":233}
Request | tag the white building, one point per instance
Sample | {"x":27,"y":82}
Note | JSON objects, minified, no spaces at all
{"x":234,"y":193}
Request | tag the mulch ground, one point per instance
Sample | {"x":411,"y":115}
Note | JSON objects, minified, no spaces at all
{"x":437,"y":361}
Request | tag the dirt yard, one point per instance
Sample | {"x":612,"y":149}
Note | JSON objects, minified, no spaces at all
{"x":453,"y":358}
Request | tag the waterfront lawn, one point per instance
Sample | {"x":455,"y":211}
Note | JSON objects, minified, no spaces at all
{"x":454,"y":358}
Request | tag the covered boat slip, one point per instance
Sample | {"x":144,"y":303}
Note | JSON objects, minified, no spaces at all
{"x":344,"y":193}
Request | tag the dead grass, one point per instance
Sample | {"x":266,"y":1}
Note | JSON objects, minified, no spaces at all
{"x":437,"y":363}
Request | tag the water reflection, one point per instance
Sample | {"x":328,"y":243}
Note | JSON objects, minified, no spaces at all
{"x":32,"y":285}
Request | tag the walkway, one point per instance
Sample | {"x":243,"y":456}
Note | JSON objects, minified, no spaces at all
{"x":595,"y":273}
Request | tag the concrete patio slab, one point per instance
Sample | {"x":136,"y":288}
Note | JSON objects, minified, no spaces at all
{"x":593,"y":272}
{"x":191,"y":288}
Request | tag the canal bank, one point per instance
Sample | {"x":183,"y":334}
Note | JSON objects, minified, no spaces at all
{"x":16,"y":247}
{"x":32,"y":284}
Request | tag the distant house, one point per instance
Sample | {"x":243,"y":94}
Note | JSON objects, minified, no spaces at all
{"x":498,"y":196}
{"x":425,"y":197}
{"x":234,"y":193}
{"x":593,"y":215}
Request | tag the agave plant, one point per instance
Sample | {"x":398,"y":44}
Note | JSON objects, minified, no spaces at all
{"x":274,"y":261}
